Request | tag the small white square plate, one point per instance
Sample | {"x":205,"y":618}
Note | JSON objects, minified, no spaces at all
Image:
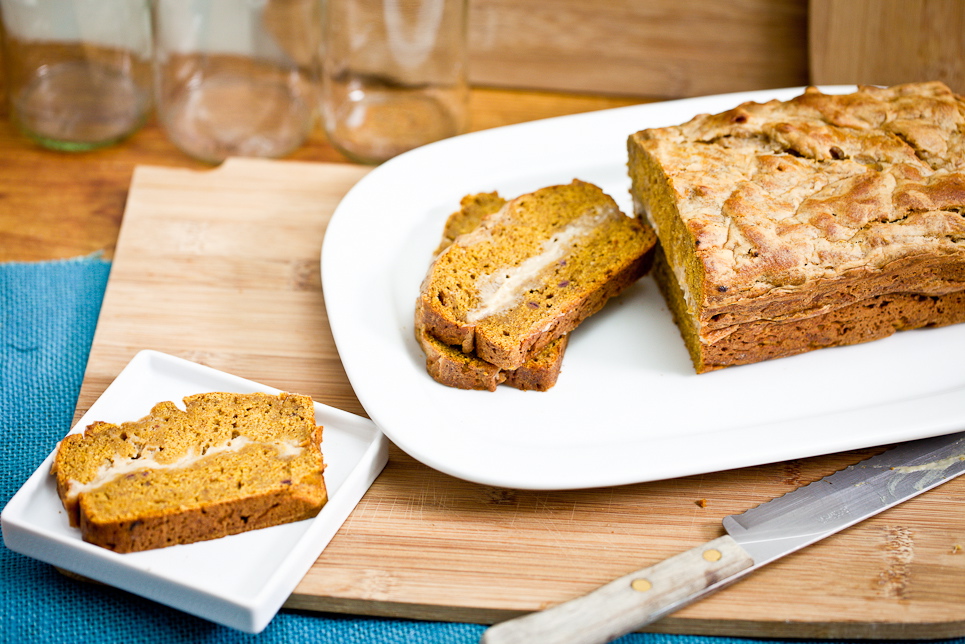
{"x":240,"y":581}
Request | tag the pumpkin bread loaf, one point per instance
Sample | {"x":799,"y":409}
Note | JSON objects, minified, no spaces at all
{"x":819,"y":221}
{"x":531,"y":272}
{"x":226,"y":464}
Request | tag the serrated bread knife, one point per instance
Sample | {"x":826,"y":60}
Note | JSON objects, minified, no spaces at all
{"x":754,"y":539}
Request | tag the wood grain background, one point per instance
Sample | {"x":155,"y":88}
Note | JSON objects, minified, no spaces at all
{"x":885,"y":42}
{"x":678,"y":48}
{"x":660,"y":48}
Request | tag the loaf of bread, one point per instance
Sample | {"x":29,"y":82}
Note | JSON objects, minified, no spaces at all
{"x":227,"y":463}
{"x":531,"y":272}
{"x":819,"y":221}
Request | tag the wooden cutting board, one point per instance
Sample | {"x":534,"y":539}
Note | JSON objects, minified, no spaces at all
{"x":222,"y":267}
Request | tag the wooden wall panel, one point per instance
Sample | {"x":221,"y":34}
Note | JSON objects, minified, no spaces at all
{"x":658,"y":48}
{"x":884,"y":42}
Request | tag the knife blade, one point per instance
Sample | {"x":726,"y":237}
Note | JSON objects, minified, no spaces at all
{"x":753,"y":539}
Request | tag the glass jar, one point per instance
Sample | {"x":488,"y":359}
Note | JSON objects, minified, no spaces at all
{"x":236,"y":77}
{"x":394,"y":75}
{"x":78,"y":72}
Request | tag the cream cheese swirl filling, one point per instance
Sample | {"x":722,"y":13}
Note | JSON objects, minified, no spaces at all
{"x":147,"y":460}
{"x":504,"y":288}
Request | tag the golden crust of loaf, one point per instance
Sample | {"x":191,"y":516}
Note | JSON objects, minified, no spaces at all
{"x":789,"y":211}
{"x":450,"y":366}
{"x":472,"y":210}
{"x":530,"y":273}
{"x":227,"y":463}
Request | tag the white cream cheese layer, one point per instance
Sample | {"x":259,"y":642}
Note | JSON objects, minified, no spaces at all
{"x":147,"y":460}
{"x":503,"y":289}
{"x":679,"y":271}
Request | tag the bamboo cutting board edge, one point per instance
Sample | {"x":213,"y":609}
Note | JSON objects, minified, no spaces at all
{"x":108,"y":356}
{"x":423,"y":545}
{"x":671,"y":625}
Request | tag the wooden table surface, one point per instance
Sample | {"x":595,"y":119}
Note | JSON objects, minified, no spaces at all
{"x":56,"y":205}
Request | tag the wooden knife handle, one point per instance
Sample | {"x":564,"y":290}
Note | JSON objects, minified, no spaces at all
{"x":630,"y":602}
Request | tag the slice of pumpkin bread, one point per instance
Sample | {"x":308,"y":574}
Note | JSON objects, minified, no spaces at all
{"x":531,"y":272}
{"x":227,"y":463}
{"x":447,"y":364}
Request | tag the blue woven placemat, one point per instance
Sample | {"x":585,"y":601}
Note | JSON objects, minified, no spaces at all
{"x":48,"y":311}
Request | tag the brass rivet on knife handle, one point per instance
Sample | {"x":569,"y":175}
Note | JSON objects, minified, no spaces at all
{"x":641,"y":585}
{"x":712,"y":555}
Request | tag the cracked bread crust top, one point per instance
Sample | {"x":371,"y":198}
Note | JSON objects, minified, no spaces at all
{"x":790,"y":209}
